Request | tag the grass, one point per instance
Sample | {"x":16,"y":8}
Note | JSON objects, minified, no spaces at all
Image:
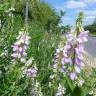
{"x":93,"y":34}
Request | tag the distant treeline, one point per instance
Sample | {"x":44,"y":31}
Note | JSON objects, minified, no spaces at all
{"x":91,"y":27}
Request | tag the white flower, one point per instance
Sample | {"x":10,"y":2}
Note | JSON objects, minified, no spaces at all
{"x":23,"y":60}
{"x":91,"y":92}
{"x":51,"y":76}
{"x":57,"y":50}
{"x":61,"y":90}
{"x":19,"y":55}
{"x":10,"y":9}
{"x":80,"y":83}
{"x":50,"y":84}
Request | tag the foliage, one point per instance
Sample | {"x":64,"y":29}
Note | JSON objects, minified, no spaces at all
{"x":45,"y":32}
{"x":91,"y":28}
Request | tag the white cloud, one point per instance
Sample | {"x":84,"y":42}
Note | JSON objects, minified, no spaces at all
{"x":89,"y":1}
{"x":90,"y":12}
{"x":75,"y":4}
{"x":90,"y":17}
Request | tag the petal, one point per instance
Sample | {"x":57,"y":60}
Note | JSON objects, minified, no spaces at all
{"x":15,"y":48}
{"x":79,"y":62}
{"x":23,"y":60}
{"x":77,"y":69}
{"x":67,"y":60}
{"x":15,"y":55}
{"x":20,"y":49}
{"x":79,"y":40}
{"x":73,"y":76}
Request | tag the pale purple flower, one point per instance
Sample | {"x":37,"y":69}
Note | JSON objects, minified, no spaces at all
{"x":67,"y":60}
{"x":15,"y":47}
{"x":77,"y":69}
{"x":80,"y":56}
{"x":20,"y":47}
{"x":70,"y":59}
{"x":25,"y":47}
{"x":73,"y":76}
{"x":14,"y":55}
{"x":79,"y":49}
{"x":62,"y":61}
{"x":80,"y":40}
{"x":79,"y":62}
{"x":76,"y":50}
{"x":65,"y":53}
{"x":69,"y":37}
{"x":67,"y":46}
{"x":82,"y":37}
{"x":31,"y":72}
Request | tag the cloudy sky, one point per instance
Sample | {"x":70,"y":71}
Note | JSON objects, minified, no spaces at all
{"x":72,"y":7}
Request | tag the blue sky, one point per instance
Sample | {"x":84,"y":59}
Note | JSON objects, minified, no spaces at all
{"x":73,"y":7}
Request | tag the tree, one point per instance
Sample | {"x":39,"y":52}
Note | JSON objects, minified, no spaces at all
{"x":91,"y":27}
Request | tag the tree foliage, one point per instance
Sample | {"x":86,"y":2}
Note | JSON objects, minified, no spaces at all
{"x":92,"y":27}
{"x":46,"y":34}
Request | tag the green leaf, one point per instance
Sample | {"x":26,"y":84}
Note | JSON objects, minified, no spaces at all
{"x":77,"y":91}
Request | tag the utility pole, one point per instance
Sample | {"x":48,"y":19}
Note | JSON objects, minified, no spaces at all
{"x":26,"y":15}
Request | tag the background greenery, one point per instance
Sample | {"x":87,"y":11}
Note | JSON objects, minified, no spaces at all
{"x":43,"y":27}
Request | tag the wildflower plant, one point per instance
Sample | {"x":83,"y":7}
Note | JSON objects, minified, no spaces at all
{"x":35,"y":61}
{"x":68,"y":61}
{"x":20,"y":46}
{"x":61,"y":90}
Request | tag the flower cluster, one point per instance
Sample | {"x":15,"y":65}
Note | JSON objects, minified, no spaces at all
{"x":31,"y":72}
{"x":92,"y":92}
{"x":70,"y":58}
{"x":35,"y":89}
{"x":9,"y":11}
{"x":80,"y":83}
{"x":57,"y":66}
{"x":20,"y":46}
{"x":61,"y":90}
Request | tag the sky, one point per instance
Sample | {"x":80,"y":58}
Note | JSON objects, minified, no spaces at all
{"x":73,"y":7}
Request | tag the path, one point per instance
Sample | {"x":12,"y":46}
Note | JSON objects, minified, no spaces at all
{"x":90,"y":46}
